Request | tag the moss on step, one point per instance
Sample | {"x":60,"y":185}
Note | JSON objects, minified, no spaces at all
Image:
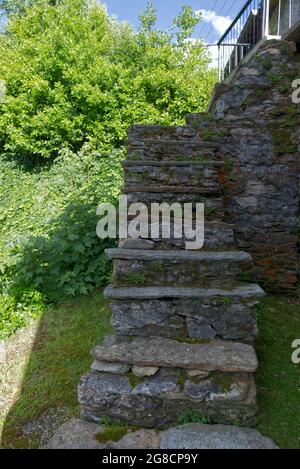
{"x":133,"y":379}
{"x":224,"y":381}
{"x":114,"y":432}
{"x":189,"y":340}
{"x":135,"y":278}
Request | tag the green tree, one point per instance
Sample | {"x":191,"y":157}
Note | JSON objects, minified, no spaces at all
{"x":20,"y":6}
{"x":75,"y":75}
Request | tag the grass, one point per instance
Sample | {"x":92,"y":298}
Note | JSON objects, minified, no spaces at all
{"x":61,"y":355}
{"x":278,"y":380}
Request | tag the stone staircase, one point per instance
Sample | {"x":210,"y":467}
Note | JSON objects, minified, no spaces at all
{"x":184,"y":320}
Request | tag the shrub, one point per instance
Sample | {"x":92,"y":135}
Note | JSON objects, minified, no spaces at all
{"x":74,"y":75}
{"x":16,"y":309}
{"x":65,"y":257}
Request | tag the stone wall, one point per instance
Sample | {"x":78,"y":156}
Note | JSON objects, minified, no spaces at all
{"x":254,"y":120}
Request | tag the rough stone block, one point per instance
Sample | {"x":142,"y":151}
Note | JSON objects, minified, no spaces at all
{"x":160,"y":400}
{"x":203,"y":176}
{"x":214,"y":355}
{"x":142,"y":371}
{"x":98,"y":365}
{"x":199,"y":436}
{"x":206,"y":318}
{"x":178,"y":267}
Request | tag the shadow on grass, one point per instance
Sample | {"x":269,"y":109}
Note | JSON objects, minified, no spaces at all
{"x":59,"y":357}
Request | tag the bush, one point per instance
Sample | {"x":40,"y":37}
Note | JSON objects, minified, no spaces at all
{"x":65,"y":257}
{"x":75,"y":80}
{"x":74,"y":75}
{"x":16,"y":309}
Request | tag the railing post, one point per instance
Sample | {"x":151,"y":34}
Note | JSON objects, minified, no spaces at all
{"x":267,"y":25}
{"x":219,"y":63}
{"x":279,"y":18}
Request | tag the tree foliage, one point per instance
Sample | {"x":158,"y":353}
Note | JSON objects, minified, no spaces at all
{"x":74,"y":74}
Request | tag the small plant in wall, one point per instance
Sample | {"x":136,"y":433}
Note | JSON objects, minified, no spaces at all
{"x":191,"y":416}
{"x":226,"y":301}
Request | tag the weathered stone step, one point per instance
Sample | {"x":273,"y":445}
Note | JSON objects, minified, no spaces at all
{"x":178,"y":256}
{"x":172,"y":150}
{"x":197,"y":318}
{"x":214,"y":355}
{"x":245,"y":291}
{"x":160,"y":164}
{"x":217,"y":235}
{"x":144,"y":131}
{"x":199,"y":436}
{"x":178,"y":267}
{"x":200,"y":120}
{"x":203,"y":177}
{"x":213,"y":204}
{"x":162,"y":399}
{"x":78,"y":434}
{"x":205,"y":189}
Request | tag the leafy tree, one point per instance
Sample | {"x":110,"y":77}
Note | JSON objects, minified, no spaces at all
{"x":20,"y":6}
{"x":74,"y":75}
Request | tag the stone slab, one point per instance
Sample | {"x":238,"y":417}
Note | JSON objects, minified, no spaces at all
{"x":157,"y":255}
{"x":141,"y":439}
{"x":162,"y":352}
{"x":171,"y":189}
{"x":76,"y":434}
{"x":200,"y":436}
{"x":110,"y":367}
{"x":245,"y":291}
{"x":132,"y":243}
{"x":132,"y":163}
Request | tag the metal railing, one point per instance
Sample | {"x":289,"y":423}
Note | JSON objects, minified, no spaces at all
{"x":258,"y":19}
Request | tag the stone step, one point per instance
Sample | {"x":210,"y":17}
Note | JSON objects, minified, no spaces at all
{"x":178,"y":267}
{"x":161,"y":164}
{"x":78,"y":434}
{"x":217,"y":235}
{"x":214,"y":355}
{"x":213,"y":204}
{"x":195,"y":318}
{"x":241,"y":292}
{"x":144,"y":131}
{"x":199,"y":436}
{"x":207,"y":187}
{"x":172,"y":150}
{"x":163,"y":399}
{"x":211,"y":378}
{"x":178,"y":256}
{"x":200,"y":120}
{"x":204,"y":177}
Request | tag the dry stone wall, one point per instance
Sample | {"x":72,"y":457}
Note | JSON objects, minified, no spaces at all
{"x":257,"y":126}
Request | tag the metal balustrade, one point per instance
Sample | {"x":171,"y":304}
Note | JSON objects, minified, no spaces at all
{"x":257,"y":20}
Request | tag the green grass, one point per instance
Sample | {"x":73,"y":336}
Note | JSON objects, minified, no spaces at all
{"x":278,"y":380}
{"x":60,"y":356}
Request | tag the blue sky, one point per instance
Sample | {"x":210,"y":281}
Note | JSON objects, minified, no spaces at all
{"x":217,"y":13}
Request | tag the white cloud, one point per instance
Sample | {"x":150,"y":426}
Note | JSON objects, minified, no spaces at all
{"x":214,"y":52}
{"x":220,"y":23}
